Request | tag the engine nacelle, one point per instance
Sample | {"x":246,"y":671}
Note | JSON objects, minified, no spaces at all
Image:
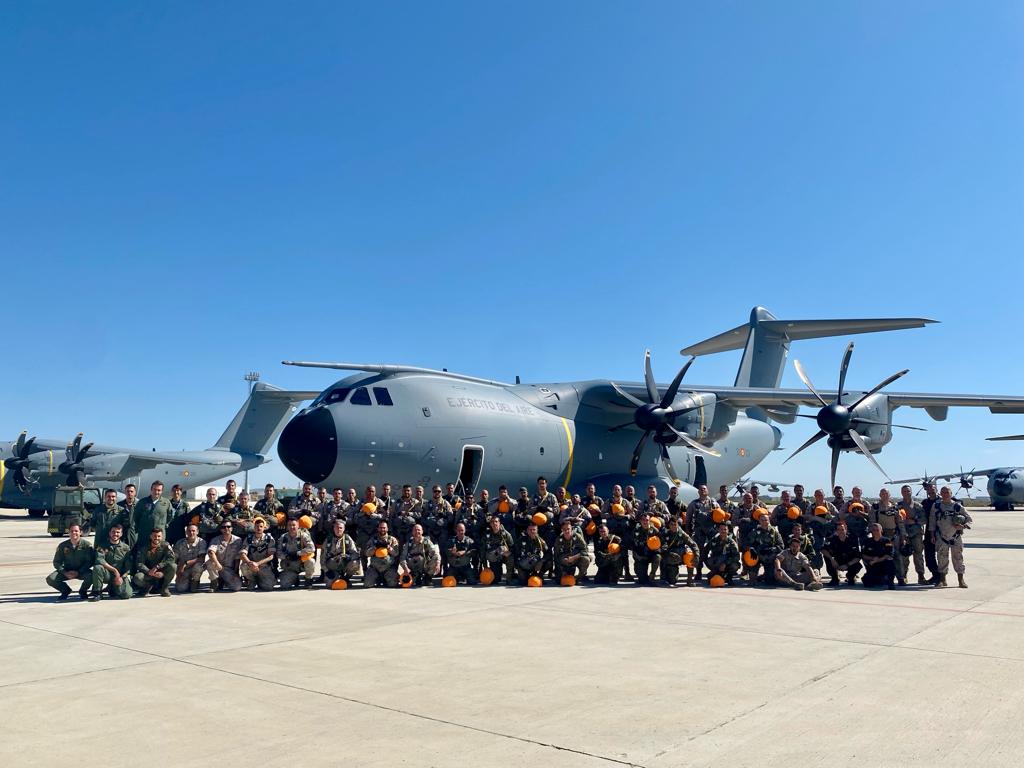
{"x":878,"y":434}
{"x":698,"y":423}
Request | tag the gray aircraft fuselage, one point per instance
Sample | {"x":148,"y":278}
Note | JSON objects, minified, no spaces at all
{"x":1006,"y":487}
{"x":441,"y":430}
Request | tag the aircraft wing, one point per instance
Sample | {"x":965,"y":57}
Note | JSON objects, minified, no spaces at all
{"x":1006,"y":437}
{"x":764,"y":397}
{"x":146,"y":459}
{"x":952,"y":476}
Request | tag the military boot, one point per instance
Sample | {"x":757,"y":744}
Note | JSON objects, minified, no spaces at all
{"x":921,"y":579}
{"x":960,"y":578}
{"x":83,"y":591}
{"x":65,"y":593}
{"x":941,"y":583}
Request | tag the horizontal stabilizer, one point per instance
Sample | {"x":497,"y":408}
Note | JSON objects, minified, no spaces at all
{"x":794,"y":330}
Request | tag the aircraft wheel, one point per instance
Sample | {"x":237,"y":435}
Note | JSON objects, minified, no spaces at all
{"x":36,"y":512}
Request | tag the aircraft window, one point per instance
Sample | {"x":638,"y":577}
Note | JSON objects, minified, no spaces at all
{"x":360,"y":397}
{"x":382,"y":396}
{"x":338,"y":395}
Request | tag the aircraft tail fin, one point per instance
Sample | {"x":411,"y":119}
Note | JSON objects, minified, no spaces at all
{"x":765,"y":341}
{"x":260,"y":419}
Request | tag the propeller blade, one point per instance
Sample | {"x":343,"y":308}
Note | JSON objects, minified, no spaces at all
{"x":20,"y":445}
{"x":635,"y":461}
{"x":84,"y":453}
{"x":843,"y":367}
{"x":668,"y":465}
{"x":807,"y":382}
{"x":652,"y":388}
{"x":693,"y":443}
{"x":625,"y":395}
{"x":27,"y":447}
{"x":835,"y":462}
{"x":894,"y":426}
{"x":77,"y":443}
{"x":864,"y":449}
{"x":673,"y":388}
{"x":820,"y":434}
{"x":622,"y":426}
{"x":877,"y":387}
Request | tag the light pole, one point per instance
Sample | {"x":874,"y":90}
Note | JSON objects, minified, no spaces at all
{"x":250,"y":380}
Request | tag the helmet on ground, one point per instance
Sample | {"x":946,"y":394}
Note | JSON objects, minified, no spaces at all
{"x":568,"y":580}
{"x":486,"y":577}
{"x":535,"y":581}
{"x":716,"y":581}
{"x":448,"y":581}
{"x":339,"y":584}
{"x":405,"y":580}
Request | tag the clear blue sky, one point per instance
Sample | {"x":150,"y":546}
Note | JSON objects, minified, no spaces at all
{"x":191,"y":191}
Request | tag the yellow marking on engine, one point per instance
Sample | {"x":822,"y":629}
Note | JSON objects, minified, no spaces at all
{"x":568,"y":438}
{"x":3,"y":471}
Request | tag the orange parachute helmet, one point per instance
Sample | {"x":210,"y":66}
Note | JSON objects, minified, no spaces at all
{"x":486,"y":577}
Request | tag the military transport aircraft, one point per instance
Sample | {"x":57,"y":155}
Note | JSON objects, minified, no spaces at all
{"x":31,"y":468}
{"x":1005,"y":484}
{"x":401,"y":423}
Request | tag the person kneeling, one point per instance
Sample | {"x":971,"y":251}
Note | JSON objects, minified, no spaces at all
{"x":880,"y":565}
{"x":297,"y":555}
{"x":154,"y":566}
{"x":339,"y":558}
{"x":842,"y":553}
{"x":73,"y":559}
{"x":258,"y":557}
{"x":532,"y":558}
{"x":113,"y":565}
{"x":191,"y":555}
{"x":222,"y":562}
{"x":723,"y":555}
{"x":572,"y":556}
{"x":793,"y":569}
{"x":381,"y":552}
{"x":461,"y":550}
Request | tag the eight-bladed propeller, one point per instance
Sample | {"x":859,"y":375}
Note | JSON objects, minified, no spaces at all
{"x":966,"y":481}
{"x":837,"y":420}
{"x":656,"y":416}
{"x":73,"y":467}
{"x":18,"y":464}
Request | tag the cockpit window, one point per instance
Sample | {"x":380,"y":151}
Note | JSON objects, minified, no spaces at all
{"x":360,"y":397}
{"x":382,"y":396}
{"x":337,"y":395}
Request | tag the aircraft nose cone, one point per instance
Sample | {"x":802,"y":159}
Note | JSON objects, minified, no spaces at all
{"x":309,"y":445}
{"x":1002,"y":486}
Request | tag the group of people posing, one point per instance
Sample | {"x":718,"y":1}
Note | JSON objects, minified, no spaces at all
{"x":143,"y":546}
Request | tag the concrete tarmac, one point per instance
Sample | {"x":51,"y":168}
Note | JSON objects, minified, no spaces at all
{"x":495,"y":676}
